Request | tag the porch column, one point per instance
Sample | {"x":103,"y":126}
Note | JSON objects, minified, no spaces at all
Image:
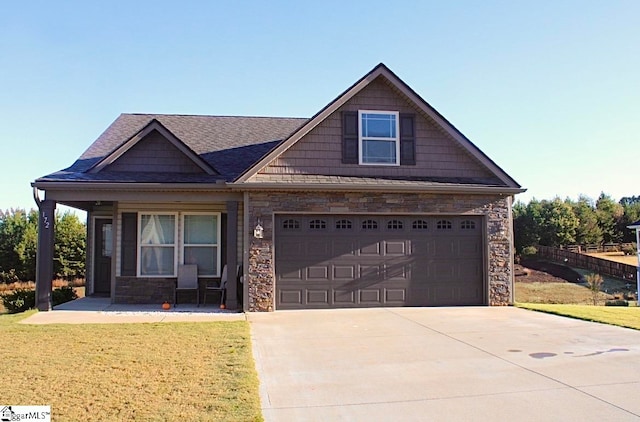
{"x":232,"y":255}
{"x":44,"y":262}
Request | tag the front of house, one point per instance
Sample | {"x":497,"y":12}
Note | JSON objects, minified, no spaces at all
{"x":377,"y":200}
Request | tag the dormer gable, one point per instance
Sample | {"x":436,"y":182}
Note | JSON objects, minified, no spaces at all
{"x":154,"y":149}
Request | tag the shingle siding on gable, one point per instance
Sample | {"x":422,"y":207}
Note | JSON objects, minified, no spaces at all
{"x":154,"y":154}
{"x":320,"y":151}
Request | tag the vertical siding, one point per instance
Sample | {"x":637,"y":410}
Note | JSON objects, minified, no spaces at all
{"x":154,"y":153}
{"x":320,"y":151}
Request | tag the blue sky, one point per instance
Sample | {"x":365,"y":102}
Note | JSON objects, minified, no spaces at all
{"x":549,"y":90}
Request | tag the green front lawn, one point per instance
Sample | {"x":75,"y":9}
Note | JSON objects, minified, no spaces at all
{"x":144,"y":372}
{"x":615,"y":315}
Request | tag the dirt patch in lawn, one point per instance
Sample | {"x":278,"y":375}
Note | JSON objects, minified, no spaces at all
{"x":534,"y":271}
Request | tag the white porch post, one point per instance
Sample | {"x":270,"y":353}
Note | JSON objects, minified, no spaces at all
{"x":636,"y":226}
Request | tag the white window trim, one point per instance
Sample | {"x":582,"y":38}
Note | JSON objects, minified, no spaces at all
{"x":175,"y":245}
{"x":218,"y":245}
{"x":396,"y":139}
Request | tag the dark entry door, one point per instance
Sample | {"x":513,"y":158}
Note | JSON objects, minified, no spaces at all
{"x":103,"y":251}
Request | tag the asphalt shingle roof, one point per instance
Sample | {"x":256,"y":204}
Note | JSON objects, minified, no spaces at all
{"x":229,"y":144}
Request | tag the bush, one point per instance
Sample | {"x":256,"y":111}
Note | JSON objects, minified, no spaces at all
{"x":594,"y":282}
{"x":617,"y":302}
{"x":63,"y":294}
{"x":9,"y":276}
{"x":629,"y":248}
{"x":529,"y":251}
{"x":19,"y":301}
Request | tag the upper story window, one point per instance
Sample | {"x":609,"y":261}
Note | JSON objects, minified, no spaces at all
{"x":385,"y":138}
{"x":378,"y":137}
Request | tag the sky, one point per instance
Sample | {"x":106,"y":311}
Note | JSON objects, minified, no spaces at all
{"x":549,"y":90}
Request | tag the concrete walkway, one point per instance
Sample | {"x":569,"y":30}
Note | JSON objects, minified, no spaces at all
{"x":444,"y":364}
{"x":97,"y":310}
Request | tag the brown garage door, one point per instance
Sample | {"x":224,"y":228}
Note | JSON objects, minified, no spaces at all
{"x":342,"y":261}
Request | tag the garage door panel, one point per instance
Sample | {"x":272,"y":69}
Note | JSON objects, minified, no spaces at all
{"x":370,"y":248}
{"x":344,"y":297}
{"x":344,"y":272}
{"x":370,"y":296}
{"x":395,"y":296}
{"x":397,"y":263}
{"x":317,"y":297}
{"x":290,"y":297}
{"x":344,"y":247}
{"x":318,"y":272}
{"x":317,"y":247}
{"x":397,"y":248}
{"x":291,"y":247}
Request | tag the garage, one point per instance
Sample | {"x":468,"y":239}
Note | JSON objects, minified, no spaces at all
{"x":343,"y":261}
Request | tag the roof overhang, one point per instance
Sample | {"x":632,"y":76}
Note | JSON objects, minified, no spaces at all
{"x":326,"y":187}
{"x":635,"y":225}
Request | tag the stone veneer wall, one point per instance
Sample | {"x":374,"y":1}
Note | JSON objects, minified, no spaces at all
{"x":260,"y":274}
{"x":132,"y":290}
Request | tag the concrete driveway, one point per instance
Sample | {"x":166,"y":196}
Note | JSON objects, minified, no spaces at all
{"x":444,"y":364}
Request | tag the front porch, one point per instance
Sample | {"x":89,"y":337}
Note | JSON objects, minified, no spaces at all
{"x":100,"y":310}
{"x":122,"y":235}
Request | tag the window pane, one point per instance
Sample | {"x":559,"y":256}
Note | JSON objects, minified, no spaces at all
{"x":157,"y":229}
{"x":205,"y":256}
{"x":107,"y":240}
{"x":378,"y":152}
{"x":156,"y":260}
{"x":378,"y":125}
{"x":200,"y":229}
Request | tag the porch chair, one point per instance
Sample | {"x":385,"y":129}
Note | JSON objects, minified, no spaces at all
{"x":187,"y":280}
{"x":218,"y":287}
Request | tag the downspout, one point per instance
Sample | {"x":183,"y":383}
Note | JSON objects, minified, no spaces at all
{"x":512,"y":264}
{"x":245,"y":252}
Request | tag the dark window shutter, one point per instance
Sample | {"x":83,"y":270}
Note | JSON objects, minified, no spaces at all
{"x":407,"y":140}
{"x":350,"y":137}
{"x":129,"y":247}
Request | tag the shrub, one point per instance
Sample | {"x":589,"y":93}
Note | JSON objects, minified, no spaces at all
{"x":19,"y":301}
{"x":529,"y":251}
{"x":594,"y":282}
{"x":629,"y":248}
{"x":9,"y":276}
{"x":617,"y":302}
{"x":63,"y":294}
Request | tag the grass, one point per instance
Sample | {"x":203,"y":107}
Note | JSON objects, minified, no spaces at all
{"x":613,"y":315}
{"x":616,"y":257}
{"x":556,"y":293}
{"x":143,"y":372}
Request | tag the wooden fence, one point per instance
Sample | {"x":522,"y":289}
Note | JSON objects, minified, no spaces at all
{"x":597,"y":265}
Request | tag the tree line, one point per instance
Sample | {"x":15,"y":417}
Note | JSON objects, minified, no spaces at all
{"x":559,"y":222}
{"x":19,"y":241}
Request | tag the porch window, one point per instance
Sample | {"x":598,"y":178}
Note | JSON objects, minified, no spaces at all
{"x":157,"y":244}
{"x":201,"y":242}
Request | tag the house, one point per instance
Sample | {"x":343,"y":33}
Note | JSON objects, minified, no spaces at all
{"x":377,"y":200}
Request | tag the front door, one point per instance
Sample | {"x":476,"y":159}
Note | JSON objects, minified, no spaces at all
{"x":103,"y":250}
